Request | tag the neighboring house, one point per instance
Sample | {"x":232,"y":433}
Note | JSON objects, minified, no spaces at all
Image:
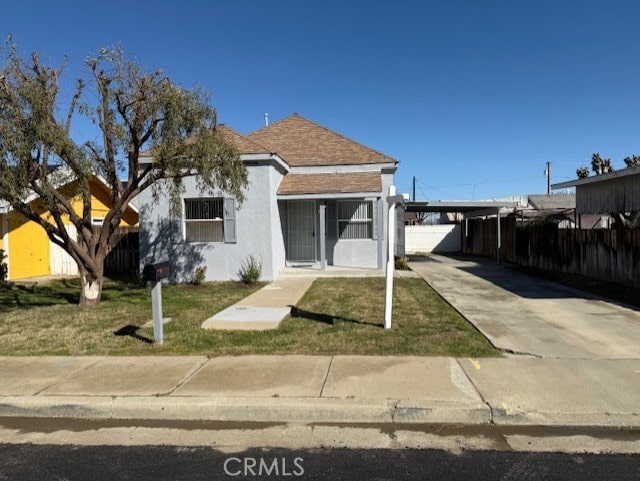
{"x":557,"y":208}
{"x":610,"y":193}
{"x":314,"y":197}
{"x":29,"y":251}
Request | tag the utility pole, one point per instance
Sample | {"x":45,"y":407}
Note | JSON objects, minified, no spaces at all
{"x":548,"y":174}
{"x":413,"y":197}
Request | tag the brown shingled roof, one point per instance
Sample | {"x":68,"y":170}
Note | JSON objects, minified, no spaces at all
{"x":243,"y":144}
{"x":302,"y":142}
{"x":293,"y":184}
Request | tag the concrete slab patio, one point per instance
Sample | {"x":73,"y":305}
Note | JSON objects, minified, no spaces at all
{"x":523,"y":314}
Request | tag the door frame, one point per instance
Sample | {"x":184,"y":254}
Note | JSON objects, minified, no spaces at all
{"x":290,"y":228}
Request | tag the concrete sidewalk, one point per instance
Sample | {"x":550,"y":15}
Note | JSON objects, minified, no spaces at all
{"x":325,"y":389}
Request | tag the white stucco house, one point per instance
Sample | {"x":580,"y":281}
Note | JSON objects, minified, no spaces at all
{"x":314,"y":198}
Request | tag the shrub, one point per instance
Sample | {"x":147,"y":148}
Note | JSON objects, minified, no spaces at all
{"x":199,"y":275}
{"x":250,"y":270}
{"x":402,"y":263}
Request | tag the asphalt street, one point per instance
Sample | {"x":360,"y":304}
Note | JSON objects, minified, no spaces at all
{"x":160,"y":463}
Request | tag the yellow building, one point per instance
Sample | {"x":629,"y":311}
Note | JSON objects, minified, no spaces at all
{"x":29,"y":251}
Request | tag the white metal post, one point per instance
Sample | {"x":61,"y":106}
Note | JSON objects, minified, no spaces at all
{"x":499,"y":238}
{"x":391,"y":231}
{"x":156,"y":307}
{"x":323,"y":240}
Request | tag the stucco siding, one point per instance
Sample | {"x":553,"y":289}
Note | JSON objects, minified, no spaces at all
{"x":278,"y":239}
{"x":100,"y":202}
{"x":162,"y":236}
{"x":29,"y":248}
{"x":3,"y":229}
{"x":356,"y":253}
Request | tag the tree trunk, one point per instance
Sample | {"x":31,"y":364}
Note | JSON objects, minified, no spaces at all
{"x":91,"y":290}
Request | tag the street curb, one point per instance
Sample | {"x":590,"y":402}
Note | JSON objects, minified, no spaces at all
{"x":280,"y":410}
{"x":297,"y":410}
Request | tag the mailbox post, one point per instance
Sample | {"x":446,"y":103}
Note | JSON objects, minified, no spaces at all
{"x":155,"y":273}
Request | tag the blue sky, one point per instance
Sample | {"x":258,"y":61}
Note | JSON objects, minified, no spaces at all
{"x":471,"y":97}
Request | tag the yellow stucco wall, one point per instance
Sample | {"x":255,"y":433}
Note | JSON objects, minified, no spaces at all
{"x":29,"y":249}
{"x":99,"y":205}
{"x":2,"y":231}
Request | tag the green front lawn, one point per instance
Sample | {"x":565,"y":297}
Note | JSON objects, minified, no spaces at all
{"x":336,"y":316}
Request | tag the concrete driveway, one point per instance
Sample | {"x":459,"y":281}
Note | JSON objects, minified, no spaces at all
{"x":522,"y":314}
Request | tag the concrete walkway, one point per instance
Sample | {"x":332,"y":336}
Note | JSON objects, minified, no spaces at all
{"x":265,"y":308}
{"x":523,"y":314}
{"x":325,"y":389}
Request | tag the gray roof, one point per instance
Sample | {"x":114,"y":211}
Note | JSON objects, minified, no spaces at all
{"x":609,"y":176}
{"x":552,"y":202}
{"x":455,"y":205}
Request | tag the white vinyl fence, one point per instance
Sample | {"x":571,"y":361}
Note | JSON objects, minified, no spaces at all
{"x":433,"y":238}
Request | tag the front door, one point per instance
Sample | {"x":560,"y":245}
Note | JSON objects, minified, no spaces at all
{"x":301,"y":227}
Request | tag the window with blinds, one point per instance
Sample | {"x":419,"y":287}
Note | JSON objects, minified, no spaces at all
{"x":204,"y":220}
{"x":355,"y":220}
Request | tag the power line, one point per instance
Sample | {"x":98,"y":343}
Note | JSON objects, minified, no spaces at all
{"x":434,"y":188}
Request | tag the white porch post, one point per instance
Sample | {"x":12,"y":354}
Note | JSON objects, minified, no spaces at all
{"x":499,"y":238}
{"x":323,"y":237}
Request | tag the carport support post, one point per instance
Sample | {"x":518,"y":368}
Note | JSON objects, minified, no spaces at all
{"x":499,"y":238}
{"x":391,"y":231}
{"x":156,"y":308}
{"x":323,"y":240}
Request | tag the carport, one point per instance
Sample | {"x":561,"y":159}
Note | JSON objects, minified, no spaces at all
{"x":468,"y":209}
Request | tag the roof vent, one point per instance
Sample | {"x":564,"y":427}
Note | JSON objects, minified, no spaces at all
{"x":266,"y":119}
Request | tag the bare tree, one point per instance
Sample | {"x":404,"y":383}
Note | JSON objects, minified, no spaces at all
{"x":135,"y":111}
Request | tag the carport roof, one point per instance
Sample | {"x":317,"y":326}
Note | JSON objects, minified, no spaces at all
{"x":455,"y":205}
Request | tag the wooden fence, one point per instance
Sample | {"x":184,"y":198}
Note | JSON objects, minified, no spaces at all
{"x":123,"y":252}
{"x":606,"y":254}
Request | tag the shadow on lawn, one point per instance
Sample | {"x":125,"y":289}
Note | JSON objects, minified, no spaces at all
{"x":325,"y":318}
{"x":61,"y":292}
{"x":20,"y":296}
{"x":132,"y":331}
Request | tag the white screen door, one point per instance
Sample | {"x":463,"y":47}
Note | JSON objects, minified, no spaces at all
{"x":301,"y":222}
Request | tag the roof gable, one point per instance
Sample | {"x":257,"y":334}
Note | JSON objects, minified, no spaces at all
{"x":301,"y":142}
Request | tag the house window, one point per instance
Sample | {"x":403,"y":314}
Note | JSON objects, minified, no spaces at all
{"x":97,"y":221}
{"x":354,"y":219}
{"x":203,"y":220}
